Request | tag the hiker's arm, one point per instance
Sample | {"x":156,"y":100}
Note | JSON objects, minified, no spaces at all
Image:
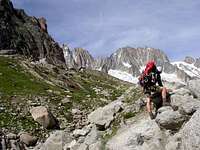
{"x":159,"y":80}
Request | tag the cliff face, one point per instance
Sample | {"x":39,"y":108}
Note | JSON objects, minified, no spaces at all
{"x":27,"y":35}
{"x":132,"y":59}
{"x":78,"y":58}
{"x":83,"y":58}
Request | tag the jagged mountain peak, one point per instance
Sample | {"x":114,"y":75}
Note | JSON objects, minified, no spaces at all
{"x":78,"y":57}
{"x":83,"y":58}
{"x":131,"y":60}
{"x":189,"y":60}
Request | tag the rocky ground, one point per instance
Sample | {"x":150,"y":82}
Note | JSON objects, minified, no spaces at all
{"x":124,"y":124}
{"x":171,"y":130}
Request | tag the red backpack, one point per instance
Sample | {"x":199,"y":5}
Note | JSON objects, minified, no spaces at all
{"x":149,"y":67}
{"x":144,"y":79}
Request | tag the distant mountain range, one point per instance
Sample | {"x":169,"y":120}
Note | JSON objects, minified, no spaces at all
{"x":127,"y":63}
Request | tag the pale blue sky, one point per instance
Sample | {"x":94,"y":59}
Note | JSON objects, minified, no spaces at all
{"x":102,"y":26}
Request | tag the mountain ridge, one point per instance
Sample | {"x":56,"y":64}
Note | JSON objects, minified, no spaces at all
{"x":130,"y":61}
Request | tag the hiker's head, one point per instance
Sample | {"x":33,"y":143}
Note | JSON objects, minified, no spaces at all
{"x":159,"y":69}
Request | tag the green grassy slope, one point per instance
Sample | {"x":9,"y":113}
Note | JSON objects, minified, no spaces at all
{"x":20,"y":90}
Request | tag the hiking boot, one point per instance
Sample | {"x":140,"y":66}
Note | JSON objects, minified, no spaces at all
{"x":166,"y":104}
{"x":175,"y":108}
{"x":152,"y":116}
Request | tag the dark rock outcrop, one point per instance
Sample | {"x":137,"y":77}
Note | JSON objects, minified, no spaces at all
{"x":27,"y":35}
{"x":189,"y":60}
{"x":190,"y":133}
{"x":197,"y":63}
{"x":44,"y":117}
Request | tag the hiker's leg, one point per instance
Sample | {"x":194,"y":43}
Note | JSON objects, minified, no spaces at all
{"x":149,"y":109}
{"x":149,"y":104}
{"x":164,"y":97}
{"x":164,"y":94}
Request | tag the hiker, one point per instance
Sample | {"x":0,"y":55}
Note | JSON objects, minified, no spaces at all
{"x":151,"y":82}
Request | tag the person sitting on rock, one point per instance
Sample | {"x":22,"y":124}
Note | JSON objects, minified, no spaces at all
{"x":151,"y":82}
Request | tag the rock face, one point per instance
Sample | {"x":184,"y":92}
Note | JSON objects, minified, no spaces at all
{"x":78,"y":58}
{"x":44,"y":117}
{"x":27,"y":35}
{"x":143,"y":134}
{"x":69,"y":60}
{"x":169,"y":119}
{"x":83,"y":58}
{"x":190,"y":66}
{"x":190,"y":133}
{"x":102,"y":117}
{"x":197,"y":63}
{"x":28,"y":139}
{"x":194,"y":86}
{"x":15,"y":142}
{"x":56,"y":141}
{"x":132,"y":59}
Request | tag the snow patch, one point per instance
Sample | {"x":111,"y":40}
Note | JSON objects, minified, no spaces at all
{"x":126,"y":64}
{"x":170,"y":77}
{"x":41,"y":61}
{"x":142,"y":69}
{"x":190,"y":69}
{"x":123,"y":76}
{"x":99,"y":69}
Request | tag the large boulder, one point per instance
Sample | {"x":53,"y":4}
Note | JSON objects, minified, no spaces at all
{"x":142,"y":134}
{"x":169,"y":119}
{"x":44,"y":117}
{"x":103,"y":116}
{"x":191,"y":133}
{"x":194,"y":86}
{"x":28,"y":139}
{"x":185,"y":102}
{"x":11,"y":141}
{"x":173,"y":142}
{"x":56,"y":141}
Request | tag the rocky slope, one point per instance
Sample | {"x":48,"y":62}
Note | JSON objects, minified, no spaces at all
{"x":38,"y":98}
{"x":171,"y":130}
{"x":124,"y":124}
{"x":26,"y":35}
